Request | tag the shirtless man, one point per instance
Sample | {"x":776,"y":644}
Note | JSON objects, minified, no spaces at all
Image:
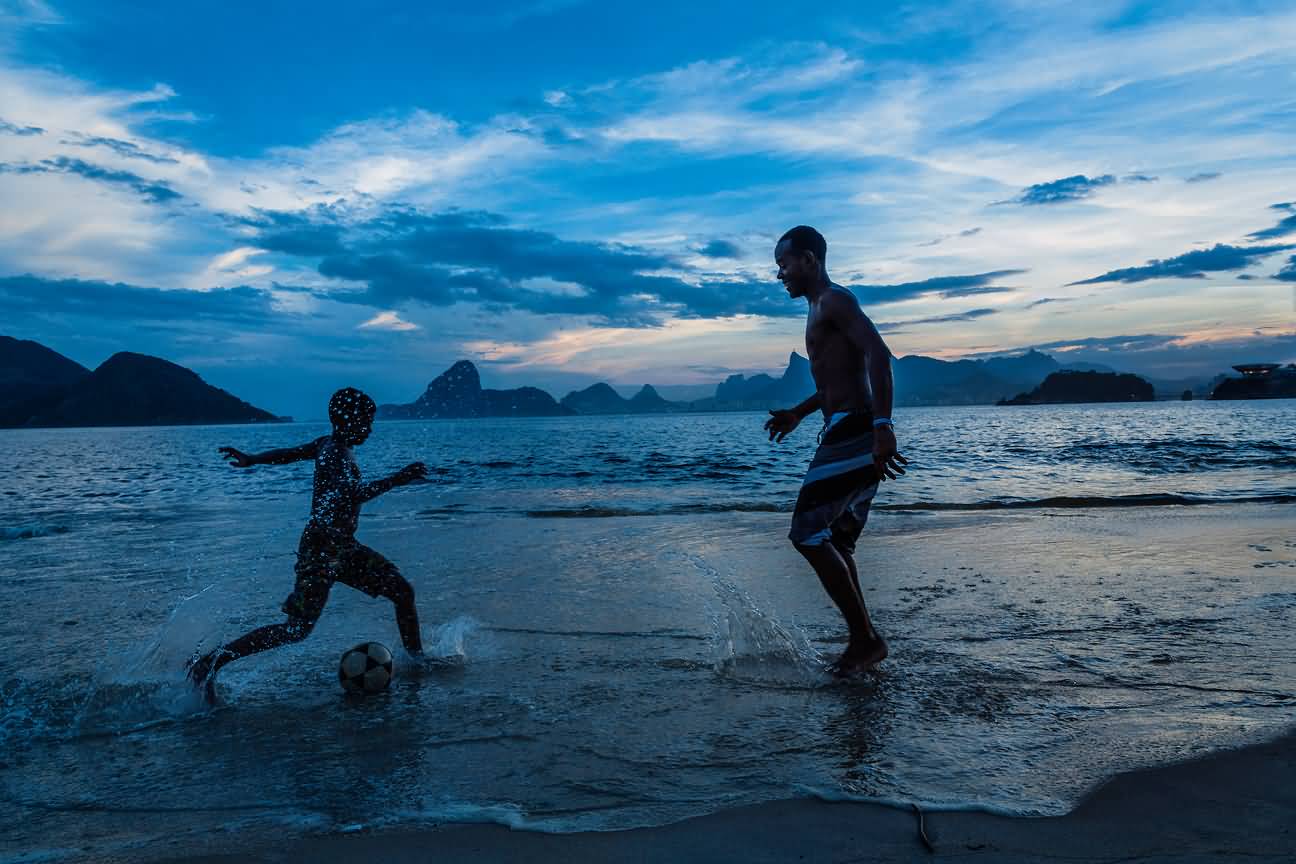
{"x":857,"y":447}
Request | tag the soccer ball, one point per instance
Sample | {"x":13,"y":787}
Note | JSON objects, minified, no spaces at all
{"x":366,"y":668}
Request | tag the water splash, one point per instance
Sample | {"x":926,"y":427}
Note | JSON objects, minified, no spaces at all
{"x":148,"y":685}
{"x":752,"y":645}
{"x":449,"y":640}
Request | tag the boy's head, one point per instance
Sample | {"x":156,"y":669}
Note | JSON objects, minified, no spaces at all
{"x":351,"y":412}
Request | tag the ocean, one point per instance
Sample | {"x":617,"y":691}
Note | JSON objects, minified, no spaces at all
{"x":1068,"y":591}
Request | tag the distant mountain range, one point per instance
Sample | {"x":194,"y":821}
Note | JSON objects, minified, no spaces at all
{"x":40,"y":387}
{"x":457,"y":393}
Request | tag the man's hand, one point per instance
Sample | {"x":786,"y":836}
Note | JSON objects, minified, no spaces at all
{"x":410,"y":473}
{"x":781,"y":424}
{"x":237,"y":458}
{"x":889,"y":462}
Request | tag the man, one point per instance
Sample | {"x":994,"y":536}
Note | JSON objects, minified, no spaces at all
{"x":328,"y":551}
{"x":857,"y":447}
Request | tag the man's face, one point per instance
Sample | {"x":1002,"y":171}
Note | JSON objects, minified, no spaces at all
{"x":796,"y":270}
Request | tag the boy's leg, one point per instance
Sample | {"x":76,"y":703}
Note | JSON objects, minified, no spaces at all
{"x":303,"y":608}
{"x":367,"y":570}
{"x":260,"y":639}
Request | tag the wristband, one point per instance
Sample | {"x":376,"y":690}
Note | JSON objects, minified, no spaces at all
{"x":883,"y":421}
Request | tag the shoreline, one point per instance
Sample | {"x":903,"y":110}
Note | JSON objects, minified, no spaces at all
{"x":1234,"y":803}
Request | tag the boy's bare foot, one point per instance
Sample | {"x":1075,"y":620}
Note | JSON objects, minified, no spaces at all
{"x":421,"y":662}
{"x":200,"y":675}
{"x":860,"y":657}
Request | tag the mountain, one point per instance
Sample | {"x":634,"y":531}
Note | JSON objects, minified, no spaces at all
{"x":1074,"y":387}
{"x":740,"y":393}
{"x":602,"y":399}
{"x":649,"y":401}
{"x":457,"y":393}
{"x":596,"y":399}
{"x":137,"y":390}
{"x":33,"y":379}
{"x":929,"y":381}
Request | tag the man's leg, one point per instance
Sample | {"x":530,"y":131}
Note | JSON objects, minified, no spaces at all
{"x":838,"y":575}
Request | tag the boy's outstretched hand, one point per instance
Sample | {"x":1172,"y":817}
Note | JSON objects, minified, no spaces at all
{"x":237,"y":458}
{"x":410,"y":473}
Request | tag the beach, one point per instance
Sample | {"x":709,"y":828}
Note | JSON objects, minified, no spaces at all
{"x":1238,"y":805}
{"x":634,"y":670}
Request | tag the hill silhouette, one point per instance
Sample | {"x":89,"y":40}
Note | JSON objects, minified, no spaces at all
{"x":137,"y":390}
{"x":1076,"y":387}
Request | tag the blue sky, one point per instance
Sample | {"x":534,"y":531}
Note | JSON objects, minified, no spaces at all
{"x":289,"y":198}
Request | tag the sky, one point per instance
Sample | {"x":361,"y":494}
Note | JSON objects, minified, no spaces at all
{"x":290,"y":198}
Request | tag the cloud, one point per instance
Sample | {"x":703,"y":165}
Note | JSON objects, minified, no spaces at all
{"x":947,"y":287}
{"x":402,"y":254}
{"x":1203,"y":177}
{"x":1140,"y":342}
{"x":1139,"y":178}
{"x":22,"y":131}
{"x":125,"y":149}
{"x":151,"y":190}
{"x":969,"y":232}
{"x":1288,"y":273}
{"x":720,"y":249}
{"x":31,"y":297}
{"x":970,"y":315}
{"x":1191,"y":265}
{"x":1285,"y":226}
{"x":1046,"y":300}
{"x":388,"y":321}
{"x":1071,"y":188}
{"x":1159,"y":355}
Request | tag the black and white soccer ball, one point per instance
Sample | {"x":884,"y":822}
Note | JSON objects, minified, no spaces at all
{"x":366,"y":668}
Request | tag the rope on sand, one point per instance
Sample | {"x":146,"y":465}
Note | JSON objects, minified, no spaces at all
{"x":922,"y":831}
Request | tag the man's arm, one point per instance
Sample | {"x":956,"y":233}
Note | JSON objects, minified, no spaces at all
{"x":845,"y":313}
{"x":284,"y":456}
{"x":781,"y":422}
{"x":809,"y":406}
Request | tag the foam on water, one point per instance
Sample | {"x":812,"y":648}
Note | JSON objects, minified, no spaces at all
{"x":30,"y":530}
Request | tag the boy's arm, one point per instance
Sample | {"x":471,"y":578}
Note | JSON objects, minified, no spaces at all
{"x":408,"y":474}
{"x":284,"y":456}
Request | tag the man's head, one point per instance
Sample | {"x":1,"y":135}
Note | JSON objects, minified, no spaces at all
{"x":351,"y":412}
{"x":800,"y":255}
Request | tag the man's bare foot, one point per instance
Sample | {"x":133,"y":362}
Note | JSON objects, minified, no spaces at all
{"x":860,"y":657}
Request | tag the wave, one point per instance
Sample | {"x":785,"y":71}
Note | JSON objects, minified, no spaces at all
{"x":595,"y":511}
{"x":1086,"y":502}
{"x":1181,"y":455}
{"x":30,"y":531}
{"x":1059,"y":502}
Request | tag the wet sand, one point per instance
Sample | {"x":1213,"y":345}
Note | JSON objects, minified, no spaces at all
{"x":1238,"y":805}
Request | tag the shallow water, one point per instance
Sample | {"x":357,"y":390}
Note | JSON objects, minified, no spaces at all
{"x":633,"y":670}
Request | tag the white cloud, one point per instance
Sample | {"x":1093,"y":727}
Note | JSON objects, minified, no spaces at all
{"x":387,"y":321}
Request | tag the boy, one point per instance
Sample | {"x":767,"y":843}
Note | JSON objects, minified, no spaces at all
{"x":328,"y":551}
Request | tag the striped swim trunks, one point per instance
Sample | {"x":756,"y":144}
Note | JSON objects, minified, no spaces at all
{"x":839,"y":485}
